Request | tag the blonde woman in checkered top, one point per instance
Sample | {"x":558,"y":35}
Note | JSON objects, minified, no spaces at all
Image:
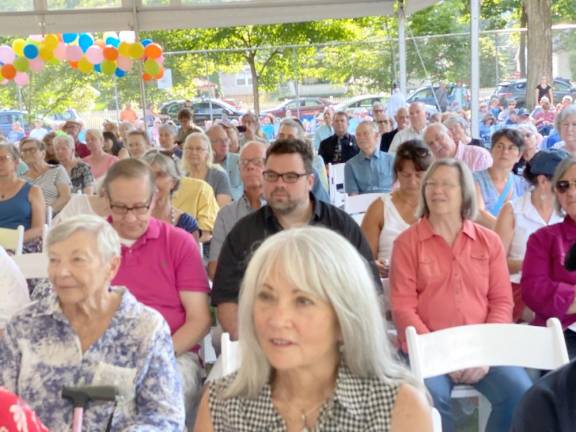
{"x":315,"y":356}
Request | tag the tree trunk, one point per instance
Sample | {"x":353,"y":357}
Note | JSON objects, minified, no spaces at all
{"x":522,"y":53}
{"x":255,"y":84}
{"x":539,"y":24}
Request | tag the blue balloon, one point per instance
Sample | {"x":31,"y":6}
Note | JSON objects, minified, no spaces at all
{"x":146,"y":42}
{"x":115,"y":42}
{"x":31,"y":51}
{"x":85,"y":41}
{"x":97,"y":68}
{"x":69,"y":37}
{"x":119,"y":73}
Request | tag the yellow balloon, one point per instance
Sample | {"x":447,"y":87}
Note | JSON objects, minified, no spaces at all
{"x":18,"y":46}
{"x":124,"y":49}
{"x":46,"y":53}
{"x":136,"y":50}
{"x":51,"y":41}
{"x":84,"y":65}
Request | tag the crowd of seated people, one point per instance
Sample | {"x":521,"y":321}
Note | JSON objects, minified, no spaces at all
{"x":459,"y":235}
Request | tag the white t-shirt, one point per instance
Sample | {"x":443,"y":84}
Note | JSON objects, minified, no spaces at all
{"x":13,"y":289}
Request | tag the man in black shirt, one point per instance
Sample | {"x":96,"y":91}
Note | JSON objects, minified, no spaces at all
{"x":341,"y":146}
{"x":287,"y":190}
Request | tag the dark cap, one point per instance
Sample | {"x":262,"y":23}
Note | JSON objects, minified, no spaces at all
{"x":523,"y":112}
{"x":545,"y":162}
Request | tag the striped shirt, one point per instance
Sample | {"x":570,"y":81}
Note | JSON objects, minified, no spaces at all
{"x":48,"y":182}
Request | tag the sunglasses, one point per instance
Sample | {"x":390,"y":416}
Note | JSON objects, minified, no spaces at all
{"x":562,"y":186}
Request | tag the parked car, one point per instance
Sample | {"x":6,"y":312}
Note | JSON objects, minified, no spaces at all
{"x":8,"y":117}
{"x":458,"y":97}
{"x":361,"y":104}
{"x":517,"y":90}
{"x":307,"y":106}
{"x":204,"y":109}
{"x":54,"y":121}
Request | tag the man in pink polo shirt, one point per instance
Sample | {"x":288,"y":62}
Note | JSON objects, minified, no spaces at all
{"x":161,"y":265}
{"x":437,"y":138}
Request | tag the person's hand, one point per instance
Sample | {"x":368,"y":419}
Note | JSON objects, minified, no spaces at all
{"x":473,"y":375}
{"x":383,"y":268}
{"x":456,"y":376}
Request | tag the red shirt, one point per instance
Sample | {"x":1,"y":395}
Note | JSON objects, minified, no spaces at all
{"x":16,"y":416}
{"x":436,"y":286}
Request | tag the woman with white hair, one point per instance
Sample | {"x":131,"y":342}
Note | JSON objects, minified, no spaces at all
{"x":315,"y":355}
{"x":565,"y":124}
{"x":448,"y":271}
{"x":460,"y":130}
{"x":532,"y":142}
{"x":167,"y":140}
{"x":198,"y":163}
{"x":79,"y":172}
{"x":86,"y":332}
{"x":99,"y":160}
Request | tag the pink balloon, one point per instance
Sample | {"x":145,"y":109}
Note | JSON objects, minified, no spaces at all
{"x":73,"y":53}
{"x":21,"y":79}
{"x":94,"y":54}
{"x":60,"y":51}
{"x":124,"y":63}
{"x":7,"y":54}
{"x":160,"y":59}
{"x":36,"y":65}
{"x":36,"y":38}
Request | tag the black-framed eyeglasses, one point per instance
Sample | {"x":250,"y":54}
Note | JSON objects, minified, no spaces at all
{"x":562,"y":186}
{"x":287,"y":177}
{"x":137,"y":210}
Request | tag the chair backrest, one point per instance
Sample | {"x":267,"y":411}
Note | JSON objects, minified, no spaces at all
{"x":462,"y":347}
{"x":230,"y":354}
{"x":336,"y":183}
{"x":33,"y":265}
{"x":359,"y":203}
{"x":49,"y":215}
{"x":12,"y":239}
{"x":45,"y":230}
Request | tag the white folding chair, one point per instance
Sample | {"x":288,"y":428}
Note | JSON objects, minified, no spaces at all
{"x":357,"y":205}
{"x":336,"y":183}
{"x":463,"y":347}
{"x":45,"y":230}
{"x":12,"y":239}
{"x":230,"y":354}
{"x":49,"y":215}
{"x":33,"y":265}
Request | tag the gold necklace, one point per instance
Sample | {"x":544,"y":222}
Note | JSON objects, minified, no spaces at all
{"x":305,"y":414}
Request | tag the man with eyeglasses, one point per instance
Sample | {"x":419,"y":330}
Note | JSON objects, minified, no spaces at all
{"x":380,"y":118}
{"x":251,"y":162}
{"x":402,"y":122}
{"x":290,"y":204}
{"x":161,"y":265}
{"x":227,"y":160}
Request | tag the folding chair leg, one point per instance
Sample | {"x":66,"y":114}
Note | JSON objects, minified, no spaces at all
{"x":484,"y":409}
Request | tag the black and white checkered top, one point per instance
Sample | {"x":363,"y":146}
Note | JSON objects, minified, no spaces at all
{"x":358,"y":405}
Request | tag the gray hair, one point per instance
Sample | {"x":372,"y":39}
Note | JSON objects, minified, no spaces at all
{"x":66,"y":139}
{"x":206,"y":141}
{"x":294,"y":124}
{"x":96,"y":133}
{"x":456,"y":120}
{"x":371,"y":124}
{"x":527,"y":127}
{"x":129,"y":169}
{"x":570,"y":110}
{"x":317,"y":261}
{"x":168,"y":128}
{"x":165,"y":163}
{"x":263,"y":147}
{"x":107,"y":239}
{"x":469,"y":208}
{"x":559,"y":172}
{"x":11,"y":149}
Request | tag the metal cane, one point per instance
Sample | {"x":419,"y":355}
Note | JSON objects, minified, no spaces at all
{"x":80,"y":397}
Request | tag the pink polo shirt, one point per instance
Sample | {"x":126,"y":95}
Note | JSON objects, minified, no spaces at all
{"x":477,"y":158}
{"x":436,"y":286}
{"x":101,"y":168}
{"x":161,"y":264}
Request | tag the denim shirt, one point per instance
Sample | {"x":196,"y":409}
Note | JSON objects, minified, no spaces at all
{"x":40,"y":353}
{"x":372,"y":174}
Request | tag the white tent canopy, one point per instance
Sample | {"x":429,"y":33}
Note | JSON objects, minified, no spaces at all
{"x":23,"y":17}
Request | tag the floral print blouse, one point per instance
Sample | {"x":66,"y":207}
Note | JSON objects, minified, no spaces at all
{"x":40,"y":353}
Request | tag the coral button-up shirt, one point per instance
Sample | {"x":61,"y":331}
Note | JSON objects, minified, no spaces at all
{"x":547,"y":287}
{"x":436,"y":286}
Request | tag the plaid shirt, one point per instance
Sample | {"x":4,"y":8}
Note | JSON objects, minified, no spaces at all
{"x":358,"y":404}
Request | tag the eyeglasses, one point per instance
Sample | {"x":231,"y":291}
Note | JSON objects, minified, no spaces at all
{"x":562,"y":186}
{"x":137,"y":210}
{"x":258,"y":162}
{"x":29,"y":150}
{"x":440,"y":185}
{"x":412,"y":152}
{"x":287,"y":177}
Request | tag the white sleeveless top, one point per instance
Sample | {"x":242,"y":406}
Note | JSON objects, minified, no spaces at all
{"x":527,"y":220}
{"x":394,"y":225}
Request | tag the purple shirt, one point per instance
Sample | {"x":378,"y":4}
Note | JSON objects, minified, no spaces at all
{"x":477,"y":158}
{"x":547,"y":287}
{"x":161,"y":264}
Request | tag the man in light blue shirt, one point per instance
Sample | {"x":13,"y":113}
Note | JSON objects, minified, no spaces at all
{"x":371,"y":170}
{"x":324,"y":131}
{"x":227,"y":160}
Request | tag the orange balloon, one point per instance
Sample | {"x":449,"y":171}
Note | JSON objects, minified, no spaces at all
{"x":160,"y":74}
{"x":153,"y":50}
{"x":110,"y":53}
{"x":73,"y":64}
{"x":8,"y":71}
{"x":146,"y":77}
{"x":100,"y":43}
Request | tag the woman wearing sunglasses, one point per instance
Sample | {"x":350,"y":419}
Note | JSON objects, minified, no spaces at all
{"x":547,"y":287}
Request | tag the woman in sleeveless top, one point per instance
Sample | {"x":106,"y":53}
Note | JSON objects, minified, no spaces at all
{"x":525,"y":215}
{"x":387,"y":217}
{"x":20,"y":202}
{"x":308,"y":361}
{"x":498,"y":184}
